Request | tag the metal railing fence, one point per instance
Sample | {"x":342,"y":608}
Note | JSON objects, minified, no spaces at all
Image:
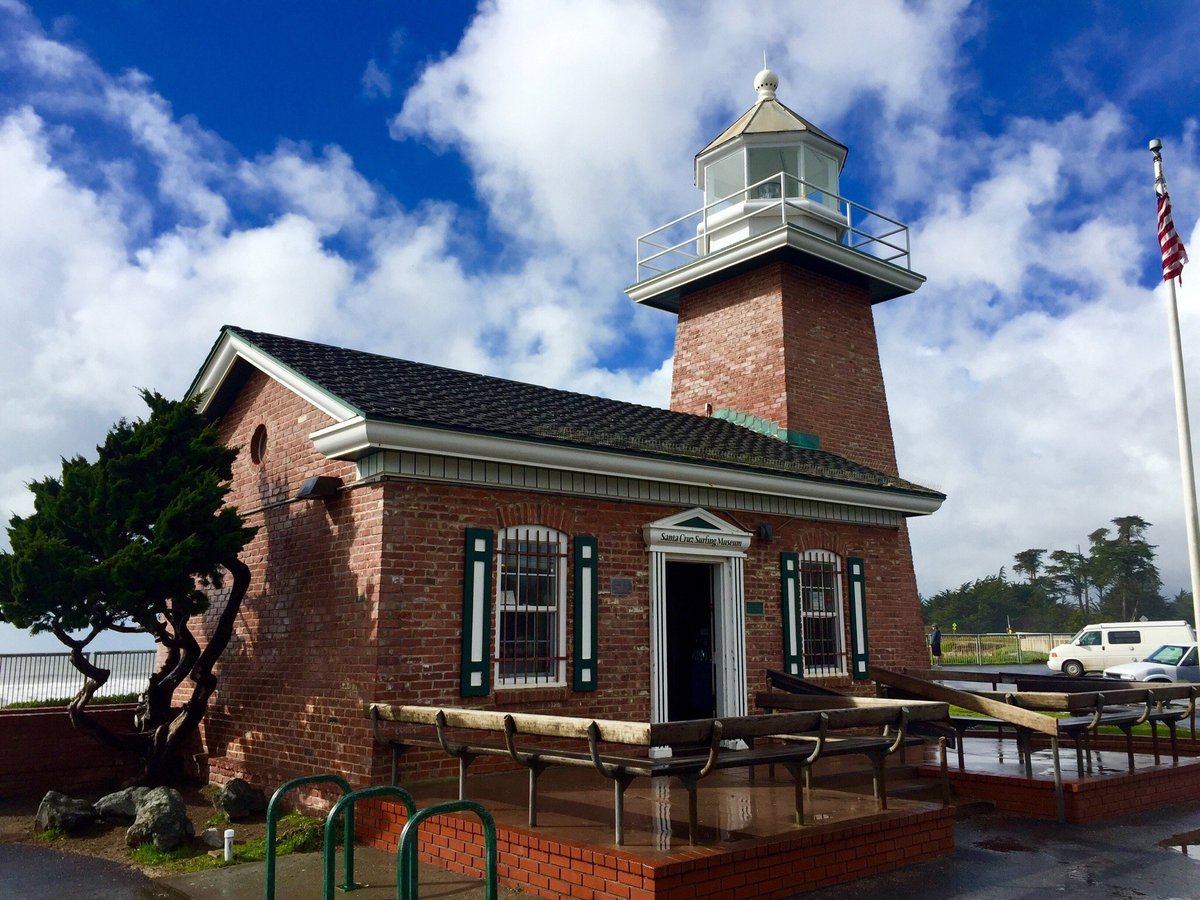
{"x":41,"y":677}
{"x":859,"y":228}
{"x":999,"y":648}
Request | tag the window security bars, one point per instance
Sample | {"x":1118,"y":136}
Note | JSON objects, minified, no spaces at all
{"x":821,"y":613}
{"x":530,"y":642}
{"x":43,"y":677}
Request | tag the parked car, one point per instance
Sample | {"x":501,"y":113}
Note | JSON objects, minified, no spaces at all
{"x":1170,"y":662}
{"x":1099,"y":646}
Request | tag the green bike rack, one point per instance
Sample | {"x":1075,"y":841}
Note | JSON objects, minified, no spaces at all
{"x":272,"y":811}
{"x":348,"y":801}
{"x":406,"y":855}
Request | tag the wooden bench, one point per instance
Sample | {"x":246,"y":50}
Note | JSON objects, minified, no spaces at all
{"x":648,"y":748}
{"x":877,"y":748}
{"x":1121,"y":708}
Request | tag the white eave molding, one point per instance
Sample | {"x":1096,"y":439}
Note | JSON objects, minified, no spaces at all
{"x":232,"y":347}
{"x":356,"y":437}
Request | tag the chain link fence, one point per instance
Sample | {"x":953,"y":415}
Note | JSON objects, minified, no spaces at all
{"x":41,"y":678}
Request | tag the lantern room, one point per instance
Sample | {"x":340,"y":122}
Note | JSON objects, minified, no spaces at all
{"x":771,"y":190}
{"x":769,"y":154}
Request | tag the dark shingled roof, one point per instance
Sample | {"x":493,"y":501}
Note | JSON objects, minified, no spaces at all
{"x":397,"y":390}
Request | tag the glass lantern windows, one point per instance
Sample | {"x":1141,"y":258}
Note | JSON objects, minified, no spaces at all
{"x":731,"y":174}
{"x":820,"y":171}
{"x":768,"y":162}
{"x":723,"y":177}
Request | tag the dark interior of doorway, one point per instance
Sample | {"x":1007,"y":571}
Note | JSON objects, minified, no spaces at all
{"x":690,"y":692}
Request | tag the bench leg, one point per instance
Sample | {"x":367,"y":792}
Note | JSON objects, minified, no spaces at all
{"x":1154,"y":741}
{"x":1174,"y":747}
{"x":620,"y":782}
{"x":961,"y":736}
{"x":797,"y":771}
{"x":1128,"y":729}
{"x":945,"y":772}
{"x":534,"y":771}
{"x":1059,"y":800}
{"x":880,"y":779}
{"x":689,"y":782}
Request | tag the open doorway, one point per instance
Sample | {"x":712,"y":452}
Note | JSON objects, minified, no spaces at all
{"x":689,"y":633}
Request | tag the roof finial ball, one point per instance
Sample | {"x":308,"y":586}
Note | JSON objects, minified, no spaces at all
{"x":765,"y":83}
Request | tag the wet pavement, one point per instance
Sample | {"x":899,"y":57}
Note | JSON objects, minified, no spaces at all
{"x":39,"y":873}
{"x":1000,"y":857}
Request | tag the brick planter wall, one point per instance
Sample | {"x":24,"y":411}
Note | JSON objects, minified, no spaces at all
{"x":41,"y":751}
{"x":555,"y":867}
{"x":1094,"y":798}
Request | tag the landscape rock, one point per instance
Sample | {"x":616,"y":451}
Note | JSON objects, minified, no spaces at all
{"x":161,"y":819}
{"x":62,"y":813}
{"x":213,"y":837}
{"x":237,"y":799}
{"x":121,"y":806}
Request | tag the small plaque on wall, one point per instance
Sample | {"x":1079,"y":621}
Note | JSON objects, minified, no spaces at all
{"x":620,"y":587}
{"x":754,"y":608}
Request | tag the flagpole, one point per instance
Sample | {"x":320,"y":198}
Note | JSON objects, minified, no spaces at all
{"x":1182,"y":425}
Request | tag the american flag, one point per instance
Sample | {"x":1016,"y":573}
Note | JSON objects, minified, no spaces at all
{"x":1173,"y":254}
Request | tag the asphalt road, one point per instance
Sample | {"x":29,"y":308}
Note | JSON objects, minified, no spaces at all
{"x":39,"y":873}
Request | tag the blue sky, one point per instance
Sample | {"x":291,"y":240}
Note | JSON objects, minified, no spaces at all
{"x":465,"y":187}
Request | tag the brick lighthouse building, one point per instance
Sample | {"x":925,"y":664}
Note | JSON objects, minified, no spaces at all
{"x":440,"y":537}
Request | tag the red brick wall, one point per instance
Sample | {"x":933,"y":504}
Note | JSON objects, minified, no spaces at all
{"x":303,"y":654}
{"x":549,"y":866}
{"x":359,"y":599}
{"x":41,"y":751}
{"x":790,"y":346}
{"x":1089,"y":800}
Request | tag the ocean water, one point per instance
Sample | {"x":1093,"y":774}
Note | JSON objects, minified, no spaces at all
{"x":37,"y":677}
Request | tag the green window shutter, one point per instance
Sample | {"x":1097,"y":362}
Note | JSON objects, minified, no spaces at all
{"x":477,"y":612}
{"x":789,"y":595}
{"x":585,"y":614}
{"x":859,"y":661}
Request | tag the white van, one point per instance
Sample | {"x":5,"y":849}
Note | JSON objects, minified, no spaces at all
{"x":1097,"y":647}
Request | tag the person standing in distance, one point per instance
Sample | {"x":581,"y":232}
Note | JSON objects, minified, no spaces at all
{"x":935,"y":645}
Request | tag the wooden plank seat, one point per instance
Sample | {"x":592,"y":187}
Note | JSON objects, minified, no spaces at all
{"x":1122,"y":708}
{"x":877,"y":748}
{"x":720,"y":738}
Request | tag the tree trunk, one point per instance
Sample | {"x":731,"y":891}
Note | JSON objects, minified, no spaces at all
{"x":164,"y":761}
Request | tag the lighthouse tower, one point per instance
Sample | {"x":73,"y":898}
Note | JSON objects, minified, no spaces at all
{"x":773,"y":281}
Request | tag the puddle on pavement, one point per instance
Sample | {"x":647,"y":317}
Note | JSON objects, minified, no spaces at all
{"x":1187,"y":843}
{"x":1003,"y":845}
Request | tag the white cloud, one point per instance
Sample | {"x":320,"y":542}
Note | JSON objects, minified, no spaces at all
{"x":375,"y":81}
{"x":327,"y":190}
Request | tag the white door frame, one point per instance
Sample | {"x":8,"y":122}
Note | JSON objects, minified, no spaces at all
{"x":696,"y":535}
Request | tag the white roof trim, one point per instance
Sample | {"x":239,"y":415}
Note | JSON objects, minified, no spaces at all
{"x":231,"y":347}
{"x":356,"y":437}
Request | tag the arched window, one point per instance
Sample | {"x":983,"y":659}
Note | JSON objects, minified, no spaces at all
{"x":531,"y":585}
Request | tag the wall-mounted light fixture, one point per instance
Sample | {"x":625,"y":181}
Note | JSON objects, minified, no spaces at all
{"x":320,"y":487}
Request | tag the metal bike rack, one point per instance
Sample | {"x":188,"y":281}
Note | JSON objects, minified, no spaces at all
{"x":348,"y":801}
{"x":406,"y":876}
{"x":272,"y":811}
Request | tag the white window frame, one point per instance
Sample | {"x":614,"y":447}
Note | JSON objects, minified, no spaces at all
{"x":831,"y":595}
{"x":507,"y":602}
